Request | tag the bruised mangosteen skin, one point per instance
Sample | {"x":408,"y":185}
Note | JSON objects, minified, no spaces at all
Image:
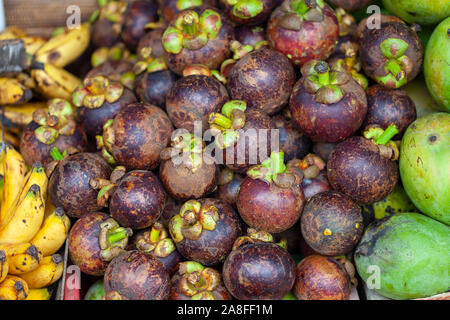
{"x":263,"y":79}
{"x":250,"y":34}
{"x":211,"y":55}
{"x":138,"y":200}
{"x":293,"y":143}
{"x":385,"y":107}
{"x":331,"y":223}
{"x":351,"y":5}
{"x":269,"y":207}
{"x":267,"y":8}
{"x":138,"y":14}
{"x":183,"y":184}
{"x":372,"y":59}
{"x":332,"y":122}
{"x":33,"y":150}
{"x":193,"y":98}
{"x":137,"y":276}
{"x":84,"y":248}
{"x":321,"y":278}
{"x":219,"y":293}
{"x":103,"y":34}
{"x":315,"y":40}
{"x":250,"y":142}
{"x":92,"y":120}
{"x":153,"y":87}
{"x":213,"y":246}
{"x":356,"y":169}
{"x":69,"y":186}
{"x":141,"y":132}
{"x":316,"y":185}
{"x":259,"y":271}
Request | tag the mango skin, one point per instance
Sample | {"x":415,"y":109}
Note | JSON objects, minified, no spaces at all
{"x":395,"y":202}
{"x":411,"y":251}
{"x":424,"y":165}
{"x":437,"y":65}
{"x":419,"y":11}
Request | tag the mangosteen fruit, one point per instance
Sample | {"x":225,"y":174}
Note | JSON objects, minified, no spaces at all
{"x":331,"y":223}
{"x":228,"y":186}
{"x":171,"y":8}
{"x":294,"y":143}
{"x":321,"y":278}
{"x":327,"y":105}
{"x":195,"y":282}
{"x":193,"y":97}
{"x":171,"y":209}
{"x":205,"y":230}
{"x":242,"y":137}
{"x":156,"y":241}
{"x":153,"y":87}
{"x":385,"y":107}
{"x":351,"y":5}
{"x":365,"y":168}
{"x":303,"y":30}
{"x":135,"y":199}
{"x":186,"y":171}
{"x":136,"y":136}
{"x":315,"y":178}
{"x":392,"y":55}
{"x":200,"y":35}
{"x":151,"y":41}
{"x":94,"y":240}
{"x":248,"y":12}
{"x":263,"y":78}
{"x":289,"y":238}
{"x":370,"y":22}
{"x":136,"y":275}
{"x":323,"y":149}
{"x":108,"y":26}
{"x":98,"y":100}
{"x":271,"y":198}
{"x":117,"y":70}
{"x":69,"y":186}
{"x":138,"y":14}
{"x":250,"y":35}
{"x":258,"y":269}
{"x":53,"y":128}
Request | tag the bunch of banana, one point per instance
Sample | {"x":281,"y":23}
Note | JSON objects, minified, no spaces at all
{"x":32,"y":43}
{"x":12,"y":91}
{"x":65,"y":47}
{"x":30,"y":235}
{"x":18,"y":116}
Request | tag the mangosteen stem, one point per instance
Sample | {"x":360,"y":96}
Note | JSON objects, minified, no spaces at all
{"x":189,"y":267}
{"x":117,"y":235}
{"x":387,"y":135}
{"x":278,"y":162}
{"x":56,"y":154}
{"x":189,"y":23}
{"x":154,"y":234}
{"x":220,"y":120}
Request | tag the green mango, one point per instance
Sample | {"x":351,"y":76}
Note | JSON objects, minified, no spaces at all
{"x":419,"y":11}
{"x":437,"y":64}
{"x":418,"y":92}
{"x":405,"y":256}
{"x":424,"y":165}
{"x":96,"y":291}
{"x":395,"y":202}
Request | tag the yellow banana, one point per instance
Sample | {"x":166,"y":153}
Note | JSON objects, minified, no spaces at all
{"x":12,"y":32}
{"x":35,"y":176}
{"x":13,"y":92}
{"x":49,"y":208}
{"x":32,"y":43}
{"x":54,"y":82}
{"x":27,"y":218}
{"x":20,"y":115}
{"x":14,"y":249}
{"x":13,"y":288}
{"x":65,"y":47}
{"x":15,"y":170}
{"x":53,"y":233}
{"x":48,"y":272}
{"x":4,"y":266}
{"x":25,"y":262}
{"x":39,"y":294}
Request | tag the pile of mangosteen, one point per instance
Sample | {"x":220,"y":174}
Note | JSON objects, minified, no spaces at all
{"x":228,"y":154}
